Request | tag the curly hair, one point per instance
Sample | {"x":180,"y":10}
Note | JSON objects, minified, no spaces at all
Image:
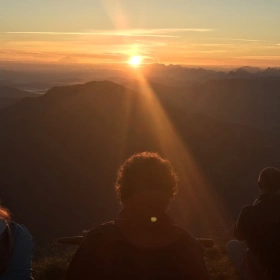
{"x":146,"y":172}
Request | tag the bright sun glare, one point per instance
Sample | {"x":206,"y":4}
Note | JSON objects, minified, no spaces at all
{"x":135,"y":61}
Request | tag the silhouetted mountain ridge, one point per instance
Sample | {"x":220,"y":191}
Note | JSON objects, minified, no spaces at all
{"x":10,"y":92}
{"x":10,"y":95}
{"x":60,"y":152}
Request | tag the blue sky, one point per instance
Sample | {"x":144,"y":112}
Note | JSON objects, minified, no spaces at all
{"x":213,"y":31}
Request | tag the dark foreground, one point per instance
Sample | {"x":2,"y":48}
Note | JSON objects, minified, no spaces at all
{"x":54,"y":266}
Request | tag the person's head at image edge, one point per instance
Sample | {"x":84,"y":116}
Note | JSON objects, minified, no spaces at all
{"x":5,"y":219}
{"x":269,"y":181}
{"x":16,"y":247}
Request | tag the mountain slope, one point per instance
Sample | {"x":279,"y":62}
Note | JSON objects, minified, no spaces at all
{"x":253,"y":102}
{"x":10,"y":92}
{"x":60,"y":152}
{"x":10,"y":95}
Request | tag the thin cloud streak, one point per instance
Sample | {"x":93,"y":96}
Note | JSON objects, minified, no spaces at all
{"x":93,"y":33}
{"x":239,"y":39}
{"x":260,"y":57}
{"x":162,"y":33}
{"x":212,"y":51}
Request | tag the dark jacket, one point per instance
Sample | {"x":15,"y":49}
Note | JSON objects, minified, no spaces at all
{"x":133,"y":247}
{"x":20,"y":263}
{"x":259,"y":226}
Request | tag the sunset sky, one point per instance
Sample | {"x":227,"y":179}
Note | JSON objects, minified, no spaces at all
{"x":186,"y":32}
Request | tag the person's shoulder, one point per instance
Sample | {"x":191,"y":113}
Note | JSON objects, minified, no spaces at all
{"x":248,"y":210}
{"x":189,"y":241}
{"x":246,"y":214}
{"x":102,"y":228}
{"x":185,"y":234}
{"x":21,"y":231}
{"x":3,"y":227}
{"x":19,"y":227}
{"x":245,"y":217}
{"x":98,"y":236}
{"x":100,"y":231}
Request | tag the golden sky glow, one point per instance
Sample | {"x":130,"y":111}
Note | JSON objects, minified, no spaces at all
{"x":189,"y":33}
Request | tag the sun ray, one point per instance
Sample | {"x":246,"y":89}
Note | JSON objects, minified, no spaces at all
{"x":198,"y":201}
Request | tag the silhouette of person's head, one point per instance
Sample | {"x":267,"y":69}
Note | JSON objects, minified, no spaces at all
{"x":269,"y":180}
{"x":148,"y":176}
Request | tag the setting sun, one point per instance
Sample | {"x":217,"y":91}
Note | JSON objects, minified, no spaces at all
{"x":135,"y":61}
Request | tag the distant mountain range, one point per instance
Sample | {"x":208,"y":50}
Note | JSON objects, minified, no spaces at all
{"x":60,"y":151}
{"x":170,"y":75}
{"x":184,"y":74}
